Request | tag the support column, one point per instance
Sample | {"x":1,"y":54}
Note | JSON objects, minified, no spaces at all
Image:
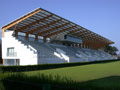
{"x":3,"y":32}
{"x":79,"y":45}
{"x":27,"y":36}
{"x":3,"y":61}
{"x":72,"y":45}
{"x":92,"y":46}
{"x":88,"y":46}
{"x":16,"y":34}
{"x":97,"y":47}
{"x":36,"y":38}
{"x":85,"y":46}
{"x":76,"y":45}
{"x":3,"y":35}
{"x":44,"y":40}
{"x":82,"y":45}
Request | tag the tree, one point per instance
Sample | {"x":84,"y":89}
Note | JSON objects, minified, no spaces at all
{"x":111,"y":50}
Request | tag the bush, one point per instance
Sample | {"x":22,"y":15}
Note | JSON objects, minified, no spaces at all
{"x":21,"y":81}
{"x":46,"y":66}
{"x":38,"y":81}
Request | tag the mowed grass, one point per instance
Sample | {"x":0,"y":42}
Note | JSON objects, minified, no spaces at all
{"x":84,"y":72}
{"x":100,"y":76}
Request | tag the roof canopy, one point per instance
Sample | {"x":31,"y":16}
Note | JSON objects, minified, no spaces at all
{"x":41,"y":22}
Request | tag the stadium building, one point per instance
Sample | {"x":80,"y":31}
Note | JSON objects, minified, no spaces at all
{"x":43,"y":37}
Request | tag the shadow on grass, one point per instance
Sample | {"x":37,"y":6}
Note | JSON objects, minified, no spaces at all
{"x":106,"y":83}
{"x":104,"y":62}
{"x":8,"y":85}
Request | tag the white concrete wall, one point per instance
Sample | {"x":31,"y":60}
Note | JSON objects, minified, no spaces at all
{"x":26,"y":56}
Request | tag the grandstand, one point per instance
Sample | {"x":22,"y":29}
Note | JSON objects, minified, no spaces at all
{"x":43,"y":37}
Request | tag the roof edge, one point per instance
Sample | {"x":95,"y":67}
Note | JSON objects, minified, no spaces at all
{"x":22,"y":17}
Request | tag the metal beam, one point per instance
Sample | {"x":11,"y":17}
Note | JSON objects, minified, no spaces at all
{"x":27,"y":26}
{"x":21,"y":19}
{"x":83,"y":34}
{"x":59,"y":31}
{"x":52,"y":29}
{"x":32,"y":31}
{"x":79,"y":32}
{"x":3,"y":32}
{"x":75,"y":30}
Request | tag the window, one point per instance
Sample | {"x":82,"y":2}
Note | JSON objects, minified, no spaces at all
{"x":10,"y":51}
{"x":73,"y":39}
{"x":21,"y":36}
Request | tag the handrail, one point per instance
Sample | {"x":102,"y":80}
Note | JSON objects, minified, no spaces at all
{"x":14,"y":54}
{"x":31,"y":48}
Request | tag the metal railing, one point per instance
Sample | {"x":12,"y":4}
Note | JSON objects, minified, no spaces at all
{"x":14,"y":54}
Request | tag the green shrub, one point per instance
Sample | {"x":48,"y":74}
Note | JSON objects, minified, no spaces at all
{"x":46,"y":66}
{"x":41,"y":80}
{"x":21,"y":81}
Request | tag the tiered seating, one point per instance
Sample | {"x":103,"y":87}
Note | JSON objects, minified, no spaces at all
{"x":65,"y":49}
{"x":42,"y":49}
{"x":47,"y":50}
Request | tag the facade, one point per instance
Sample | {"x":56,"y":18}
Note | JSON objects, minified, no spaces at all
{"x":43,"y":37}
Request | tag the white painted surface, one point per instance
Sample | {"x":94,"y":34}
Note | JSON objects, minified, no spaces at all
{"x":26,"y":56}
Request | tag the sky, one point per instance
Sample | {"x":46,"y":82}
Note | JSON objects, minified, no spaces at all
{"x":99,"y":16}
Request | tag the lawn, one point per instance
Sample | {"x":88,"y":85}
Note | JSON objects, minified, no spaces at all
{"x":100,"y":76}
{"x":84,"y":72}
{"x":105,"y":76}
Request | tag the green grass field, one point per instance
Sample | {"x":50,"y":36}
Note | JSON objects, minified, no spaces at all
{"x":84,"y":72}
{"x":103,"y":75}
{"x":100,"y":76}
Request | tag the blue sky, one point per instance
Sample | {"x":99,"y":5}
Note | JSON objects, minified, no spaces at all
{"x":99,"y":16}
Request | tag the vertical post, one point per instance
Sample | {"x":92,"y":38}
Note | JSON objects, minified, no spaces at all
{"x":27,"y":36}
{"x":3,"y":32}
{"x":1,"y":52}
{"x":76,"y":45}
{"x":72,"y":45}
{"x":36,"y":38}
{"x":44,"y":40}
{"x":79,"y":45}
{"x":82,"y":45}
{"x":3,"y":35}
{"x":88,"y":46}
{"x":96,"y":47}
{"x":16,"y":34}
{"x":92,"y":47}
{"x":3,"y":61}
{"x":85,"y":46}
